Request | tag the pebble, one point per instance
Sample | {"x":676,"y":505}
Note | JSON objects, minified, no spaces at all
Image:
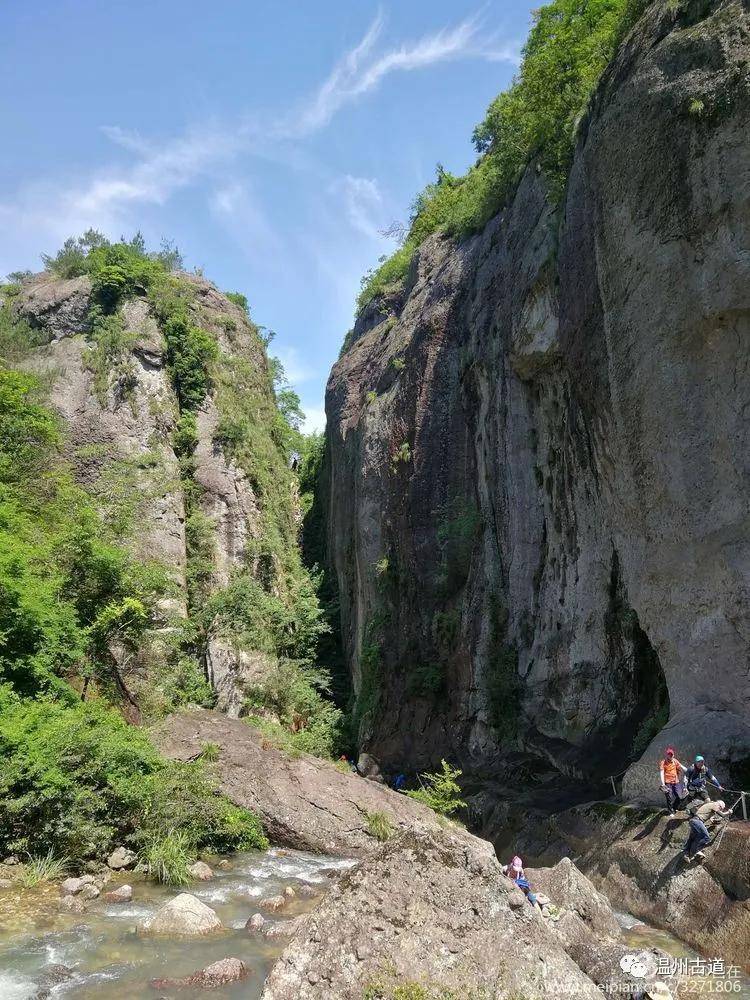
{"x":123,"y":894}
{"x":201,"y":871}
{"x":255,"y":923}
{"x":272,"y":904}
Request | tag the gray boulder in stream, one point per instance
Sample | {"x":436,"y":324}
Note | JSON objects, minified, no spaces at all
{"x":183,"y":916}
{"x":213,"y":977}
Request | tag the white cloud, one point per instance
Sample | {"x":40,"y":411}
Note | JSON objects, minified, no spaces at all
{"x":363,"y":204}
{"x":113,"y":198}
{"x":159,"y":171}
{"x":360,"y":70}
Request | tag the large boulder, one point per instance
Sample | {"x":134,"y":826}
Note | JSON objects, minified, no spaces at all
{"x":430,"y":908}
{"x":183,"y":916}
{"x":569,"y":888}
{"x":304,"y":802}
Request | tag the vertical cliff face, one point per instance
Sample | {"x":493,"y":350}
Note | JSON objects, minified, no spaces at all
{"x":539,"y":464}
{"x":221,"y":503}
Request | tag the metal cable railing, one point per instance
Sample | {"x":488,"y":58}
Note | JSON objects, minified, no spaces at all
{"x":742,"y":800}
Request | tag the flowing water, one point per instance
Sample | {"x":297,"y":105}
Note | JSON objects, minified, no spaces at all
{"x":642,"y":936}
{"x":110,"y":961}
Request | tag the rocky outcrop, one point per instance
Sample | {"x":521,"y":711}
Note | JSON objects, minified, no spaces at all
{"x":432,"y":912}
{"x":303,"y":802}
{"x":538,"y":477}
{"x":119,"y":412}
{"x":118,"y":422}
{"x":568,"y":886}
{"x":635,"y":857}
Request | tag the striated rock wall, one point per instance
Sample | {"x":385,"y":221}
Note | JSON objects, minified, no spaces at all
{"x":539,"y":489}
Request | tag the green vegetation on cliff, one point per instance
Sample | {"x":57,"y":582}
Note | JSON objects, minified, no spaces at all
{"x":570,"y":45}
{"x":69,"y":588}
{"x":75,"y":603}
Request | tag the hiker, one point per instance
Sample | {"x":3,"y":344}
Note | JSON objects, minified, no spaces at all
{"x":696,"y":777}
{"x":399,"y":781}
{"x":525,"y":886}
{"x":515,"y":869}
{"x":669,"y":773}
{"x":350,"y":763}
{"x":699,"y":835}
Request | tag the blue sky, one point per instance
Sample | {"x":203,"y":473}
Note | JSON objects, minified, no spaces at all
{"x":271,"y":141}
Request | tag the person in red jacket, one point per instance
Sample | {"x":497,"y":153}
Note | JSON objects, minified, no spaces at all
{"x":670,"y":774}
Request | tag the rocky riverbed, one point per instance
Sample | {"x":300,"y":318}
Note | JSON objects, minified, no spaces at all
{"x":101,"y":955}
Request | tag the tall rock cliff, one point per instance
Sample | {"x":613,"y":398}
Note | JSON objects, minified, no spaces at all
{"x":205,"y":493}
{"x":539,"y":450}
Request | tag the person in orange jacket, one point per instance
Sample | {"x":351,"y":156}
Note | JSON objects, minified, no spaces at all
{"x":670,"y":774}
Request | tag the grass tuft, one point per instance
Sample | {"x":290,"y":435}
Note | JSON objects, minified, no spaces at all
{"x":44,"y":868}
{"x":168,"y":858}
{"x":379,"y":825}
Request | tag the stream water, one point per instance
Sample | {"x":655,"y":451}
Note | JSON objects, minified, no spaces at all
{"x":642,"y":936}
{"x":110,"y":961}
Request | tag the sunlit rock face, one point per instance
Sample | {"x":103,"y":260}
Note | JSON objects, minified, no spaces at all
{"x":539,"y":451}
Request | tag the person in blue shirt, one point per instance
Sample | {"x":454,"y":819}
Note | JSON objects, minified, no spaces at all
{"x":696,"y":777}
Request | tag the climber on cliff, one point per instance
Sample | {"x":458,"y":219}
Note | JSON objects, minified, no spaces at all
{"x":515,"y":869}
{"x":696,"y":777}
{"x":669,"y":773}
{"x":699,"y":836}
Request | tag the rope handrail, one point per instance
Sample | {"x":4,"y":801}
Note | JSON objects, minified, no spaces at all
{"x":743,"y":794}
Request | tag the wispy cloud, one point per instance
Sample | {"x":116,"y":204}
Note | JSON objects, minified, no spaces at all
{"x":159,"y":171}
{"x":362,"y":68}
{"x":113,"y":198}
{"x":363,"y":204}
